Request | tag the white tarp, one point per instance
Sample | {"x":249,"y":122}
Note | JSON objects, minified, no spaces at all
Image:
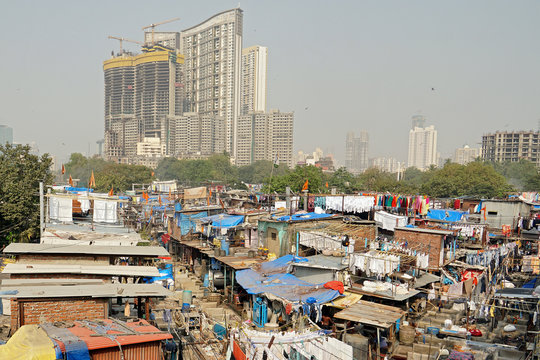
{"x":61,"y":209}
{"x":105,"y":211}
{"x":390,"y":221}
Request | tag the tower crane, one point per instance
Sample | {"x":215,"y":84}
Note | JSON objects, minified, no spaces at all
{"x":121,"y":39}
{"x":153,"y":26}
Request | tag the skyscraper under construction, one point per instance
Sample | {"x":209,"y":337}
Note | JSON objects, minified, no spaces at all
{"x":141,"y":91}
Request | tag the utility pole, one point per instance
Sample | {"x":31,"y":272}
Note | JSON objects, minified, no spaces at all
{"x":41,"y":210}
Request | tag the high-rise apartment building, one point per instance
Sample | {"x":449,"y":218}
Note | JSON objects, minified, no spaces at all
{"x":422,"y":147}
{"x":213,"y":51}
{"x":254,"y":83}
{"x":193,"y":135}
{"x":265,"y":136}
{"x":356,"y":152}
{"x":511,"y":146}
{"x":168,"y":39}
{"x":466,"y":154}
{"x":6,"y":135}
{"x":388,"y":164}
{"x":140,"y":91}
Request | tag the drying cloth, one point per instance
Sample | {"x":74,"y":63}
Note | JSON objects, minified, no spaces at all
{"x":390,"y":221}
{"x":468,"y":286}
{"x":455,"y":290}
{"x":335,"y":285}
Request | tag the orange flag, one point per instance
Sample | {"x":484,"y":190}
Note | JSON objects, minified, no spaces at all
{"x":170,"y":194}
{"x":92,"y":182}
{"x":152,"y":174}
{"x":326,"y":185}
{"x":305,"y":187}
{"x":63,"y":169}
{"x":70,"y":181}
{"x":159,"y":199}
{"x":111,"y":191}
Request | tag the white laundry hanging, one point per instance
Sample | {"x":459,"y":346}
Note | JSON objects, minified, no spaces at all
{"x":105,"y":211}
{"x":353,"y":203}
{"x":61,"y":208}
{"x":390,"y":221}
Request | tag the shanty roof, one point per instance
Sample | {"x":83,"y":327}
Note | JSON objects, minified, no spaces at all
{"x":117,"y":332}
{"x":322,"y":262}
{"x":366,"y":312}
{"x":26,"y":248}
{"x":337,"y":228}
{"x":96,"y":291}
{"x":111,"y":270}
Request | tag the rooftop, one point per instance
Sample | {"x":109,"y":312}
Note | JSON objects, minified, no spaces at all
{"x":113,"y":270}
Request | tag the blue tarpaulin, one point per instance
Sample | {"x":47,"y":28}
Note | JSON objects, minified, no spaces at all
{"x":271,"y":278}
{"x":78,"y":189}
{"x":300,"y":217}
{"x":223,"y":220}
{"x":186,"y":222}
{"x":445,"y":214}
{"x":166,"y":273}
{"x":285,"y":286}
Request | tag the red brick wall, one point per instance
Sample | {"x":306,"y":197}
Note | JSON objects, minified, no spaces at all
{"x":361,"y":232}
{"x":61,"y":276}
{"x":45,"y":310}
{"x":71,"y":259}
{"x":423,"y":242}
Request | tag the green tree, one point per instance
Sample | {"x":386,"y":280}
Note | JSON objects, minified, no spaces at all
{"x":81,"y":167}
{"x":343,"y":181}
{"x":374,"y":179}
{"x":20,"y":174}
{"x":257,"y":172}
{"x":520,"y":174}
{"x":295,"y":180}
{"x":121,"y":176}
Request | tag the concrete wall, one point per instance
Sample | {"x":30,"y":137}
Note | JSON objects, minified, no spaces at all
{"x":37,"y":311}
{"x":499,"y":213}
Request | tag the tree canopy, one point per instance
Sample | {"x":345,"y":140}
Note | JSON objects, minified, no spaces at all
{"x":21,"y":171}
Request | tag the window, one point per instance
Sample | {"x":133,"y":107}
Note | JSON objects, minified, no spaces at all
{"x":492,"y":213}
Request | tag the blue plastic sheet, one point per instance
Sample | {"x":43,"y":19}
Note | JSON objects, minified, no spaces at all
{"x":186,"y":222}
{"x":224,"y":220}
{"x":280,"y":264}
{"x":445,"y":214}
{"x":300,"y":217}
{"x":78,"y":189}
{"x":285,"y":286}
{"x":76,"y":351}
{"x":166,"y":273}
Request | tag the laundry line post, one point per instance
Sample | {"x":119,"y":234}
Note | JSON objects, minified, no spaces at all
{"x":297,"y":242}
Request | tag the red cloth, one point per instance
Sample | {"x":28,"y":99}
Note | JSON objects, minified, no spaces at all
{"x":335,"y":285}
{"x":288,"y":308}
{"x":457,"y":204}
{"x":475,"y":332}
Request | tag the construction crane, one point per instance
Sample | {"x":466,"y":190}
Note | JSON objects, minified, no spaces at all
{"x":120,"y":39}
{"x":153,"y":26}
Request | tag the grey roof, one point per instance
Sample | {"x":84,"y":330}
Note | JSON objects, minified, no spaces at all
{"x":96,"y":291}
{"x":39,"y":282}
{"x":427,"y":231}
{"x":26,"y":248}
{"x":113,"y":270}
{"x":322,"y":262}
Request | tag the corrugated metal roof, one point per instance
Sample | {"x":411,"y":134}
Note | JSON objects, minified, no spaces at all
{"x":149,"y":271}
{"x":427,"y":231}
{"x":26,"y":248}
{"x":34,"y":282}
{"x":105,"y":290}
{"x":322,"y":262}
{"x":143,"y":332}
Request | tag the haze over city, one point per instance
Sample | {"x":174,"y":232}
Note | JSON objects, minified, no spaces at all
{"x":470,"y":68}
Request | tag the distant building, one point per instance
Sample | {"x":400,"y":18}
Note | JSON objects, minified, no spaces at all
{"x":356,"y":152}
{"x":511,"y":146}
{"x":151,"y":147}
{"x":6,"y":135}
{"x":326,"y":163}
{"x":388,"y":164}
{"x":193,"y":134}
{"x":254,"y":83}
{"x":422,"y":145}
{"x":213,"y":51}
{"x":466,"y":155}
{"x":140,"y":91}
{"x":265,"y":136}
{"x":168,"y":39}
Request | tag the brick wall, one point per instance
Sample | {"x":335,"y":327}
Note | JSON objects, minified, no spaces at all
{"x":361,"y":232}
{"x":106,"y":278}
{"x":425,"y":241}
{"x":63,"y":259}
{"x":37,"y":311}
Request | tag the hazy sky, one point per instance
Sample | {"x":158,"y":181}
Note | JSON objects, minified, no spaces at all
{"x":339,"y":65}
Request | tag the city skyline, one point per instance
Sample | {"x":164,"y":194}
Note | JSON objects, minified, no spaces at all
{"x":441,"y":72}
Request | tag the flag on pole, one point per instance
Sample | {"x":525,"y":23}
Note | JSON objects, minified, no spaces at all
{"x":222,"y":204}
{"x":159,"y":200}
{"x":92,"y":182}
{"x":276,"y":161}
{"x":305,"y":187}
{"x":170,"y":194}
{"x":70,"y":181}
{"x":111,"y":191}
{"x":326,"y":184}
{"x":152,"y":174}
{"x":63,"y":169}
